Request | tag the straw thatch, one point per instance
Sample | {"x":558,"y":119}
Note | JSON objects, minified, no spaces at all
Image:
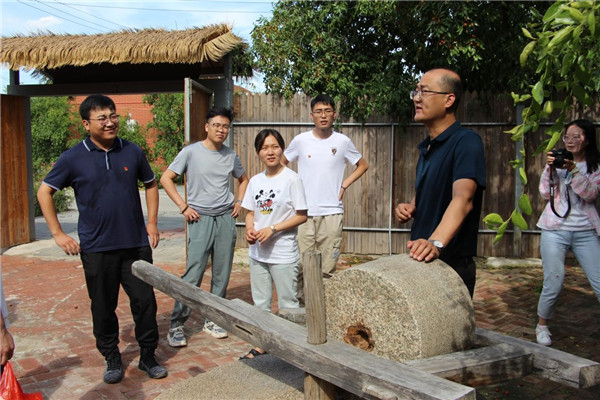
{"x":147,"y":46}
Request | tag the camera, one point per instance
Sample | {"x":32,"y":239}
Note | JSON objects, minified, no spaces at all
{"x":560,"y":155}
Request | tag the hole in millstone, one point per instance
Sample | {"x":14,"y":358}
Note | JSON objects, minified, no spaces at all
{"x":359,"y":336}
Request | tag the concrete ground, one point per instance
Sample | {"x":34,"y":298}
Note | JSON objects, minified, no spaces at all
{"x":56,"y":354}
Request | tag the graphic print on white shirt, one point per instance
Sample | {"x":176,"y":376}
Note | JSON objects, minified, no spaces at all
{"x":264,"y":201}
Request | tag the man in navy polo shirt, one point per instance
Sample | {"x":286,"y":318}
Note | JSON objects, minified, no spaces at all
{"x":450,"y":180}
{"x":104,"y":170}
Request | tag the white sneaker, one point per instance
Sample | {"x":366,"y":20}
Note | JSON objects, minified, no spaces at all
{"x":214,"y":330}
{"x":542,"y":334}
{"x":176,"y":337}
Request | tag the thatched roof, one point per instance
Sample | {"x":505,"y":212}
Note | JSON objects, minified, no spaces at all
{"x":147,"y":46}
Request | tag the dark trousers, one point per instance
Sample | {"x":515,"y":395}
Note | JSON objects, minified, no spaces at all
{"x":465,"y":267}
{"x":104,"y":273}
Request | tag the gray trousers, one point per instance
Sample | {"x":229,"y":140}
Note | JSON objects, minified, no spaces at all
{"x":214,"y":237}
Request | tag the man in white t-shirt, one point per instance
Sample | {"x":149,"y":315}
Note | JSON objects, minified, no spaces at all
{"x":322,"y":155}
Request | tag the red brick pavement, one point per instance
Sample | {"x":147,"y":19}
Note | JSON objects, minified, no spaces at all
{"x":49,"y":313}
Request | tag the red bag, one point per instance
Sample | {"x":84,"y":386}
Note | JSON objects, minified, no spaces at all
{"x":10,"y":388}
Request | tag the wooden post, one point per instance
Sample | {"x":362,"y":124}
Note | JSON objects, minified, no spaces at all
{"x":314,"y":387}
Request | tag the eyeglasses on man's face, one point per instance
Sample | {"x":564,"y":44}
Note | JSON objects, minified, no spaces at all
{"x":326,"y":111}
{"x":418,"y":94}
{"x":103,"y":119}
{"x":218,"y":126}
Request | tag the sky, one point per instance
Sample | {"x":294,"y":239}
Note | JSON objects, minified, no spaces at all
{"x":24,"y":17}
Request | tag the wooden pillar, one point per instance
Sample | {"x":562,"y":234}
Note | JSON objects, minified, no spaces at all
{"x":315,"y":388}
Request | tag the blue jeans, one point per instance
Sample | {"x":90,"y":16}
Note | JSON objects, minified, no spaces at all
{"x":285,"y":277}
{"x":554,"y":245}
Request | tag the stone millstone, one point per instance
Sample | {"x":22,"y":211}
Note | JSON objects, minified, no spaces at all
{"x":400,"y":308}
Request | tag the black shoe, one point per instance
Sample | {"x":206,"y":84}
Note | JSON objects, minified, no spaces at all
{"x":148,"y":364}
{"x":114,"y":370}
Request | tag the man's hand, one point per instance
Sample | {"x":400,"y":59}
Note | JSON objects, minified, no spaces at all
{"x":153,"y":234}
{"x":237,"y":207}
{"x":422,"y":250}
{"x":191,"y":215}
{"x":8,"y":345}
{"x":67,"y":243}
{"x":404,"y":212}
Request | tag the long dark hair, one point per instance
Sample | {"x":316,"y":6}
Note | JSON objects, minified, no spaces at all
{"x":592,"y":155}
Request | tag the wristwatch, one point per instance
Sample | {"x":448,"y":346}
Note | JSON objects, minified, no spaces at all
{"x":437,"y":244}
{"x":273,"y":228}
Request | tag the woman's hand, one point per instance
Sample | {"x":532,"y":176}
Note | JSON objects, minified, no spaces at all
{"x":550,"y":158}
{"x":250,"y":235}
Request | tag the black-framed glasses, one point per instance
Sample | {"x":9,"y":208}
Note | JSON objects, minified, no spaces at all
{"x":103,"y":119}
{"x":419,"y":93}
{"x":326,"y":111}
{"x":218,"y":126}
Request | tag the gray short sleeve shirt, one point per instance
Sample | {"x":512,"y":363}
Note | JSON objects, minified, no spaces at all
{"x":208,"y":177}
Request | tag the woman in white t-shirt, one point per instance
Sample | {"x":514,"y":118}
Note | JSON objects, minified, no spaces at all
{"x":276,"y":205}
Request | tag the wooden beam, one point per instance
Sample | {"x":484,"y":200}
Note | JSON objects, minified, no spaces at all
{"x":108,"y":88}
{"x":552,"y":364}
{"x":479,"y":367}
{"x":352,"y":369}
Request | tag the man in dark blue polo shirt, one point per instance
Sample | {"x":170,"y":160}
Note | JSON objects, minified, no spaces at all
{"x":104,"y":171}
{"x":450,"y":180}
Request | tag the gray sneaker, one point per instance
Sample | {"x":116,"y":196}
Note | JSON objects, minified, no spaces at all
{"x":214,"y":330}
{"x":114,"y":371}
{"x":176,"y":337}
{"x":148,"y":364}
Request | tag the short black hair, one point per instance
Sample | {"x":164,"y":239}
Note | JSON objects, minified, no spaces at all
{"x":222,"y":111}
{"x":94,"y":102}
{"x":260,"y":138}
{"x":322,"y":98}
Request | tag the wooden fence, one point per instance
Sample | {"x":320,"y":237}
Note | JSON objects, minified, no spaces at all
{"x":390,"y":150}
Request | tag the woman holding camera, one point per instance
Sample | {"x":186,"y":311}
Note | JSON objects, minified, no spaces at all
{"x":570,"y":219}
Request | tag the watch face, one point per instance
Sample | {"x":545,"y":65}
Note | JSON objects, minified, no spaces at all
{"x":437,"y":244}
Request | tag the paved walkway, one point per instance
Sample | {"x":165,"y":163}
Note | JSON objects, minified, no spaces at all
{"x":49,"y":313}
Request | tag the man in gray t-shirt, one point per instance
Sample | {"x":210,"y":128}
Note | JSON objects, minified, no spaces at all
{"x":210,"y":213}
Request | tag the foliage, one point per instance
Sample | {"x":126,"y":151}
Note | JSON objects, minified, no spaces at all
{"x":51,"y":122}
{"x":62,"y":199}
{"x":367,"y":54}
{"x":168,"y":123}
{"x":564,"y":49}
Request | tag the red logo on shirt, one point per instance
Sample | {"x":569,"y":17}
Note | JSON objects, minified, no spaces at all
{"x":126,"y":169}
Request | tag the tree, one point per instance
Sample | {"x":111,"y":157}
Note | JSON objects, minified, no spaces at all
{"x":51,"y":122}
{"x":168,"y":122}
{"x":368,"y":54}
{"x":564,"y":49}
{"x":52,"y":119}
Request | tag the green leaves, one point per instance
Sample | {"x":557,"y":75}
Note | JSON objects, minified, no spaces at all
{"x":567,"y":52}
{"x":368,"y":54}
{"x":518,"y":220}
{"x":525,"y":205}
{"x":538,"y":92}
